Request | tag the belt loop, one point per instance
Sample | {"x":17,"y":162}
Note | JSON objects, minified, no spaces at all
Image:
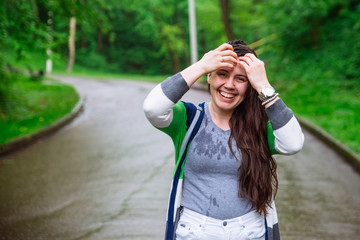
{"x":203,"y":222}
{"x":241,"y":222}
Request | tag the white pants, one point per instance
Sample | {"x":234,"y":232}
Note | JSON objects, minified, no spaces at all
{"x":193,"y":225}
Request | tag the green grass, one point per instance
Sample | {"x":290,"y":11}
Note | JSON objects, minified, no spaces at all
{"x":322,"y":96}
{"x":34,"y":105}
{"x":98,"y":74}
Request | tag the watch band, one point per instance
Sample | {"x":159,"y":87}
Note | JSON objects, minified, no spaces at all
{"x":269,"y":99}
{"x":266,"y":93}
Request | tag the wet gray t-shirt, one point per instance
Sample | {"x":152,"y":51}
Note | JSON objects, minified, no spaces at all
{"x":211,"y":174}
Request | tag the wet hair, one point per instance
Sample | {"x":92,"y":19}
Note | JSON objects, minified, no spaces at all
{"x":249,"y":126}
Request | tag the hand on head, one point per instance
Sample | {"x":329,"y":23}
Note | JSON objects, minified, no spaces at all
{"x":221,"y":57}
{"x":225,"y":57}
{"x":255,"y":70}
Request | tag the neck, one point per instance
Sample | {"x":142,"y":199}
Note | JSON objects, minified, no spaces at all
{"x":220,"y":117}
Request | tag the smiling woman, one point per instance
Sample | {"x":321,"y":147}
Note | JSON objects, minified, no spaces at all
{"x":230,"y":175}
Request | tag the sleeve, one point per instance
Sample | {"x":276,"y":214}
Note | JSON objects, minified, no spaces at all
{"x":288,"y":137}
{"x":158,"y":105}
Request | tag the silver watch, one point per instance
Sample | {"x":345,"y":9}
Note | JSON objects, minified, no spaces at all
{"x":266,"y":93}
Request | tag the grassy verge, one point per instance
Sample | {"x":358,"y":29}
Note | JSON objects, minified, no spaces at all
{"x":98,"y":74}
{"x":31,"y":106}
{"x":321,"y":96}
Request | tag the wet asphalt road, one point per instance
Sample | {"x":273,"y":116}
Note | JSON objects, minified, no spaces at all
{"x":107,"y":176}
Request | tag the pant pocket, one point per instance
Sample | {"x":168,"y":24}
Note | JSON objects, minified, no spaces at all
{"x":255,"y":229}
{"x":183,"y":231}
{"x":188,"y":231}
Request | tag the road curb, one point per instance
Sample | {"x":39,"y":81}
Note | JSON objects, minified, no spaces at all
{"x":349,"y":156}
{"x":26,"y":140}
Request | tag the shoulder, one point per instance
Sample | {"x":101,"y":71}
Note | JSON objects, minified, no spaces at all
{"x":191,"y":111}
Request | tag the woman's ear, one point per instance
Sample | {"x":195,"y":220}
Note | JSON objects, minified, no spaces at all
{"x":208,"y":78}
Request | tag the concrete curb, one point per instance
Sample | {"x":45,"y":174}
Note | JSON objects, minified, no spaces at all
{"x":32,"y":137}
{"x":350,"y":156}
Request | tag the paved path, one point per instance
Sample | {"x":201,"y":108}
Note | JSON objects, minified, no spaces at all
{"x":107,"y":176}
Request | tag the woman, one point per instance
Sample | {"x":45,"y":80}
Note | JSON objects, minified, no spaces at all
{"x":226,"y":188}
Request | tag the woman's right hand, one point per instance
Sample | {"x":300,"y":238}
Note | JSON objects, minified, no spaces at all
{"x":221,"y":57}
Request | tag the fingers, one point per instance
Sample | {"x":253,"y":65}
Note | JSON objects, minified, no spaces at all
{"x":224,"y":46}
{"x":229,"y":53}
{"x":221,"y":57}
{"x":230,"y":58}
{"x":248,"y":58}
{"x":250,"y":62}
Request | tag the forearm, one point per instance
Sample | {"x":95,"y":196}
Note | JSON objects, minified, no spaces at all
{"x":192,"y":73}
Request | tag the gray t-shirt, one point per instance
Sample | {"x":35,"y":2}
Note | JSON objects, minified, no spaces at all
{"x":211,"y":175}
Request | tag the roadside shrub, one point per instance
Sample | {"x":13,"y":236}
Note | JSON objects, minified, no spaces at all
{"x":90,"y":59}
{"x":4,"y":88}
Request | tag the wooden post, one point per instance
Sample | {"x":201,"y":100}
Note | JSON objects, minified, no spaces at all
{"x":71,"y":44}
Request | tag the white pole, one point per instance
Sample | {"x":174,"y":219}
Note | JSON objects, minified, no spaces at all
{"x":193,"y":38}
{"x":49,"y":65}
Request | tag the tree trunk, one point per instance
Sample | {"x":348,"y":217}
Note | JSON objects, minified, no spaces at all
{"x":226,"y":19}
{"x":175,"y":61}
{"x":35,"y":11}
{"x":71,"y":44}
{"x":99,"y":44}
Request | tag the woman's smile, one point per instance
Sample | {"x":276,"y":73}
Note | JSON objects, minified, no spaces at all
{"x":227,"y":95}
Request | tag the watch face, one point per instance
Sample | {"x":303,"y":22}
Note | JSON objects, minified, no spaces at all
{"x":268,"y":91}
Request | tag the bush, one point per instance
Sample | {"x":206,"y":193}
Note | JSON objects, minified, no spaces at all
{"x":4,"y":88}
{"x":91,"y":60}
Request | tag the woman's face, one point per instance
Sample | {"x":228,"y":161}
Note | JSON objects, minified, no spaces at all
{"x":228,"y":87}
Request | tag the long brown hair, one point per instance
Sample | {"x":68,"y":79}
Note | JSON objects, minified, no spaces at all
{"x":257,"y":172}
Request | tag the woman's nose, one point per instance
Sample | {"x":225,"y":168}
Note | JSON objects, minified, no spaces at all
{"x":229,"y":83}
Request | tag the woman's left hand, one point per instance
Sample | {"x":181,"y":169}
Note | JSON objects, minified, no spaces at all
{"x":255,"y":70}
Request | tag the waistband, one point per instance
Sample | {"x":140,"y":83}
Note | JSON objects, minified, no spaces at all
{"x":242,"y":220}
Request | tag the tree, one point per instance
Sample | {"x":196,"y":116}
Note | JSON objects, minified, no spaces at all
{"x":71,"y":60}
{"x":224,"y":4}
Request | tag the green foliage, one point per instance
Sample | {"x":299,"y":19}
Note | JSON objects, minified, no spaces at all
{"x":21,"y":28}
{"x":90,"y":60}
{"x":210,"y":27}
{"x":322,"y":82}
{"x":4,"y":84}
{"x":299,"y":24}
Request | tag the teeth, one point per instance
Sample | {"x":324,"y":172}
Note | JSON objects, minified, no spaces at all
{"x":227,"y":95}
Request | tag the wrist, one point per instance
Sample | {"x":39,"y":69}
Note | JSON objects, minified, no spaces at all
{"x":271,"y":102}
{"x":267,"y":92}
{"x":260,"y":84}
{"x":192,"y":73}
